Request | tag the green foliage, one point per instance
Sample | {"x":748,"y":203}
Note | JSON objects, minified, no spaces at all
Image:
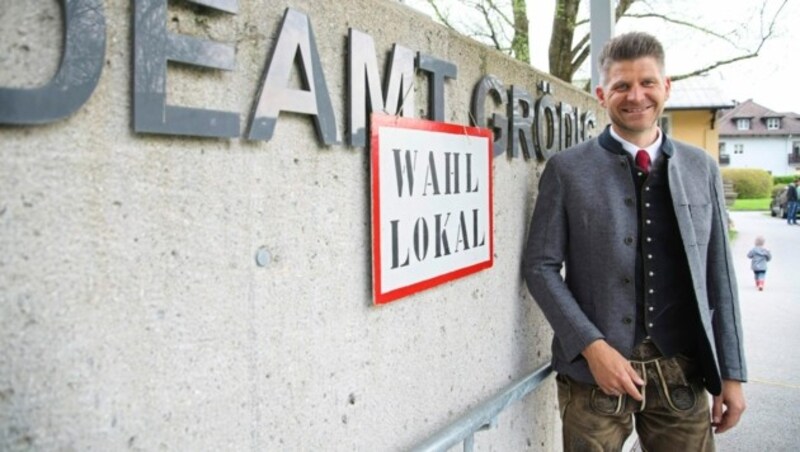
{"x":783,"y":180}
{"x":751,"y":205}
{"x":749,"y":183}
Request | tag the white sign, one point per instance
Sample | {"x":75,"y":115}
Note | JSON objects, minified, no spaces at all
{"x":432,"y":218}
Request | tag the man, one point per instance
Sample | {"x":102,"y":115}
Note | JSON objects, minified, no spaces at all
{"x":647,"y":313}
{"x":791,"y":202}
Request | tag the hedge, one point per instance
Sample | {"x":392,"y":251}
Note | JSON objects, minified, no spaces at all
{"x":784,"y":180}
{"x":749,"y":183}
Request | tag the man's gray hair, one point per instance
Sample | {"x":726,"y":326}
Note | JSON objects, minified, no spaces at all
{"x":630,"y":46}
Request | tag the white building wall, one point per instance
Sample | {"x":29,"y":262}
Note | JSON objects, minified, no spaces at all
{"x":133,"y":314}
{"x":768,"y":153}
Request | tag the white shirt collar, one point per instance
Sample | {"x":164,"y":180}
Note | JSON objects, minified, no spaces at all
{"x":633,"y":149}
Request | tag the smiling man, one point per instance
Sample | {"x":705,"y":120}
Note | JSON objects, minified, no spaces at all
{"x":646,"y":316}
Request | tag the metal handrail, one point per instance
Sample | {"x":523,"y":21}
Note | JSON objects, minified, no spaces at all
{"x":482,"y":416}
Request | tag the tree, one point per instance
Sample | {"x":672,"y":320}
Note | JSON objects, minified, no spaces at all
{"x":506,"y":32}
{"x":504,"y":25}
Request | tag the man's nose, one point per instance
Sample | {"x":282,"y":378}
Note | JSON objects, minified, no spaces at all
{"x":635,"y":93}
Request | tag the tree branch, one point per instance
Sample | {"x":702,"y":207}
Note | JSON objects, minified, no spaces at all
{"x":711,"y":67}
{"x":493,"y":6}
{"x":440,"y":16}
{"x":764,"y":38}
{"x":684,"y":23}
{"x":493,"y":35}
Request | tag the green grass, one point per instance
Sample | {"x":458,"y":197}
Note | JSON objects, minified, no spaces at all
{"x":751,"y":205}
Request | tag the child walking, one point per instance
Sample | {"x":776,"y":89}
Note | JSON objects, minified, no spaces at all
{"x":759,"y":256}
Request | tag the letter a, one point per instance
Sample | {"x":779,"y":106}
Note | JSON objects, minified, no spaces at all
{"x":296,"y":36}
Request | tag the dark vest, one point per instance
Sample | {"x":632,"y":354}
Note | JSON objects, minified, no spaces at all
{"x":665,"y":304}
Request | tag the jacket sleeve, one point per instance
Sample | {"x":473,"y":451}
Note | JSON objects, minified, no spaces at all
{"x":543,"y":259}
{"x":722,"y":288}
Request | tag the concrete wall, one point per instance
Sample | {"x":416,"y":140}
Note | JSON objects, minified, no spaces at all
{"x":133,"y":315}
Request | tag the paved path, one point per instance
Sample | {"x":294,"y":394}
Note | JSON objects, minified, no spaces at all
{"x":771,"y":322}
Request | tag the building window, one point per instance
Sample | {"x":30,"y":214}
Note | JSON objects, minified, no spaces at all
{"x":724,"y":158}
{"x":743,"y":124}
{"x":738,"y":149}
{"x":773,"y":123}
{"x":794,"y":157}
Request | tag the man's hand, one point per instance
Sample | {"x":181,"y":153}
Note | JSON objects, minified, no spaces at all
{"x":728,"y":406}
{"x":612,"y":372}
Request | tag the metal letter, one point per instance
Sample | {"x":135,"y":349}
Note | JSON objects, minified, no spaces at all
{"x":520,"y":109}
{"x":547,"y":127}
{"x":296,"y":37}
{"x":490,"y":86}
{"x":566,"y":117}
{"x":364,"y":87}
{"x":589,"y":123}
{"x":153,"y":46}
{"x":438,"y":70}
{"x":229,"y":6}
{"x":76,"y":77}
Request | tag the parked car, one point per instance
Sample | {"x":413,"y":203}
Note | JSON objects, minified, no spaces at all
{"x":778,"y":205}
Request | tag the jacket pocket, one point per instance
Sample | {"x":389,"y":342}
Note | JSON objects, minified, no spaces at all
{"x":701,"y":221}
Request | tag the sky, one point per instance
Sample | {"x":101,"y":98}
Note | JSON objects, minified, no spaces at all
{"x":772,"y":79}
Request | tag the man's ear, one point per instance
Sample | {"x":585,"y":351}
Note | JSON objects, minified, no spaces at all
{"x":601,"y":95}
{"x":668,"y":86}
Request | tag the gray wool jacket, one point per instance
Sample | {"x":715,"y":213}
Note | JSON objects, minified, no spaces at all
{"x":581,"y":221}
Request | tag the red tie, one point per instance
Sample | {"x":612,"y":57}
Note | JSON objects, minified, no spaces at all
{"x":643,"y":160}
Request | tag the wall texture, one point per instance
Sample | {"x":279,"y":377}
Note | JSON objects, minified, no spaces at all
{"x":133,"y":315}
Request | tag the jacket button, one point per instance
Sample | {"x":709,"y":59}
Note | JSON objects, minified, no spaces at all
{"x":629,"y":201}
{"x":627,"y":320}
{"x":628,"y":240}
{"x":626,"y":280}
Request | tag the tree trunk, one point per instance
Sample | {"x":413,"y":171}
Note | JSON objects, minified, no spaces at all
{"x":560,"y":52}
{"x":519,"y":44}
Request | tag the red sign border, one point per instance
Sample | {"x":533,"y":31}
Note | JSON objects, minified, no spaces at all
{"x":381,"y":120}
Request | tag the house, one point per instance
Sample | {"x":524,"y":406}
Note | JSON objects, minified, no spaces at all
{"x":691,"y":111}
{"x":753,"y":136}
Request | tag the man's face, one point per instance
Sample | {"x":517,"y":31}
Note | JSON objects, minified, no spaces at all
{"x":633,"y":94}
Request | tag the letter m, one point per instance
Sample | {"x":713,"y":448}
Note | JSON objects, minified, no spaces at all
{"x":364,"y":89}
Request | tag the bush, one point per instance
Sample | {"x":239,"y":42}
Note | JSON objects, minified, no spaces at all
{"x":749,"y":183}
{"x":783,"y":180}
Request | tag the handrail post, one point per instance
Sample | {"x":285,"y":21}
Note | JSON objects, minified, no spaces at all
{"x":484,"y":415}
{"x":469,"y":443}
